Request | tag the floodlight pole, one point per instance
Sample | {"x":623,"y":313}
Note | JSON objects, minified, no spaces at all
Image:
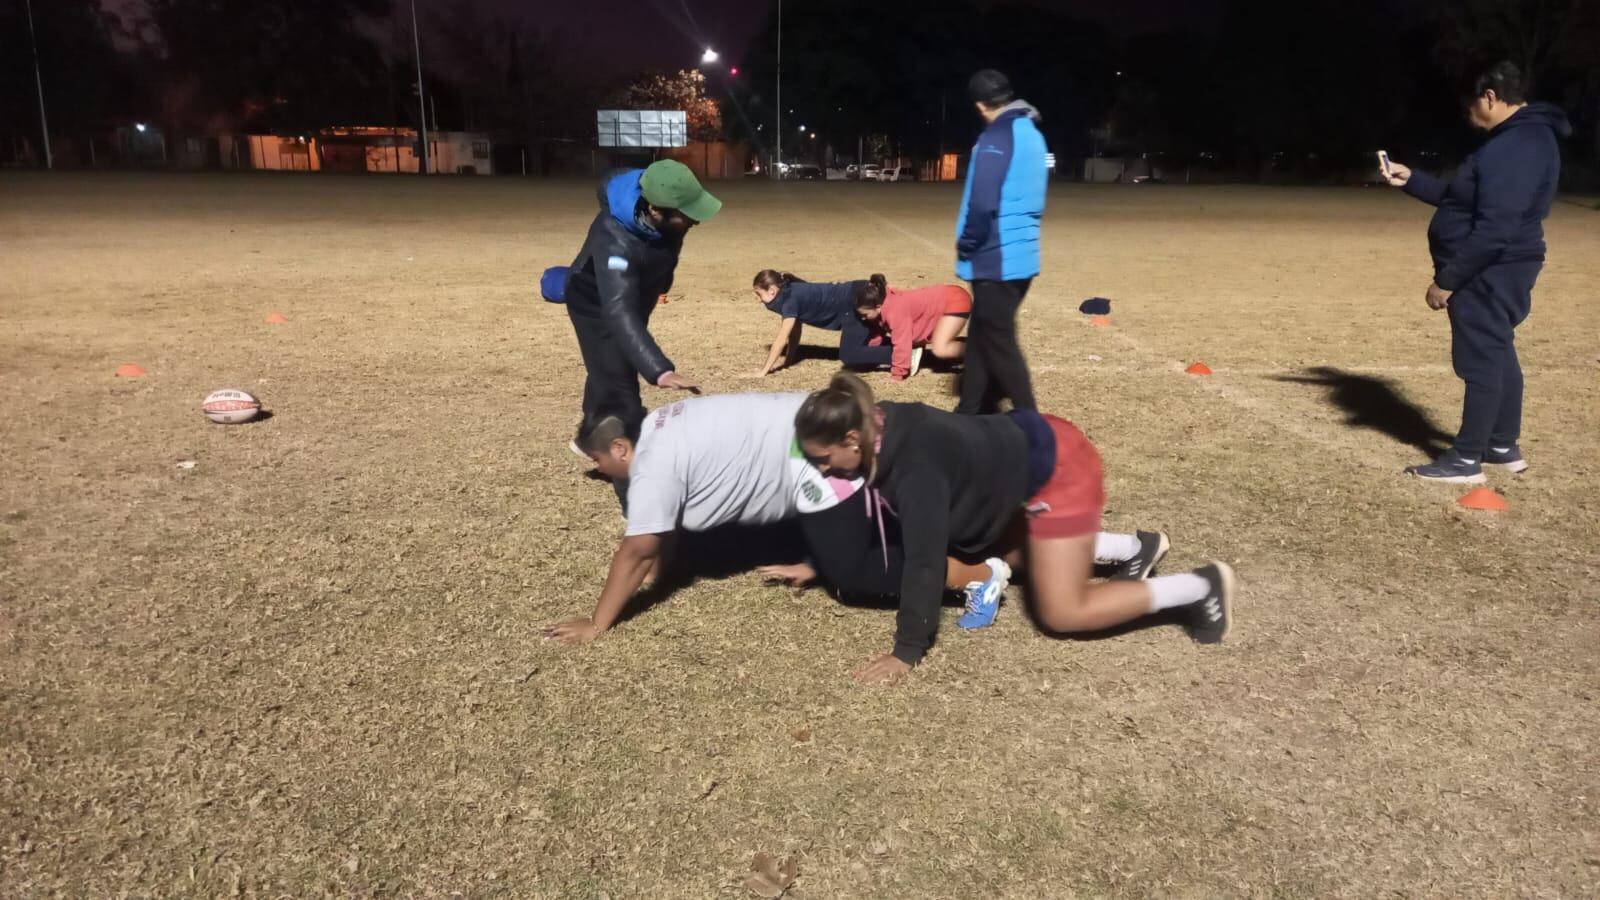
{"x":422,"y":100}
{"x":38,"y":83}
{"x":777,"y":162}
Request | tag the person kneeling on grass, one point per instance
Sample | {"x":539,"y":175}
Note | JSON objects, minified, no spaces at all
{"x":857,"y":544}
{"x":711,"y":461}
{"x":929,"y":318}
{"x":964,"y":482}
{"x":820,"y":304}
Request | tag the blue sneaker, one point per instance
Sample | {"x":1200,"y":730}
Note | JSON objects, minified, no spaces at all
{"x":1508,"y":457}
{"x":1450,"y":468}
{"x":983,"y":597}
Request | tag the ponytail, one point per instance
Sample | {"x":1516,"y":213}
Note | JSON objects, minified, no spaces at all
{"x":845,"y":405}
{"x":772,"y":278}
{"x":870,"y":293}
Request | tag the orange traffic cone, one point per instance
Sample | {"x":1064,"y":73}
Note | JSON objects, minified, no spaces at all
{"x":1198,"y":368}
{"x":1483,"y":498}
{"x":129,"y":370}
{"x":1099,"y":321}
{"x":277,"y":318}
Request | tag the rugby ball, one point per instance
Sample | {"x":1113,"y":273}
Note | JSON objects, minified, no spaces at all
{"x":230,"y":407}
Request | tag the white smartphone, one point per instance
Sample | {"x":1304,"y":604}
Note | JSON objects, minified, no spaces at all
{"x":1383,"y":162}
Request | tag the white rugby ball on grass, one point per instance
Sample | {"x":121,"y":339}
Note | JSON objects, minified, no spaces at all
{"x":230,"y":407}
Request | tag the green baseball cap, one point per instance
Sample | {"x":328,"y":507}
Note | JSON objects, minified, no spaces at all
{"x":668,"y":184}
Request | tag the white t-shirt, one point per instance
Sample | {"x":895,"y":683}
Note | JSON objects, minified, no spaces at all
{"x":710,"y":461}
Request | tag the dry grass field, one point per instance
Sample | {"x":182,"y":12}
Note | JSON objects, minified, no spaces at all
{"x":312,"y":663}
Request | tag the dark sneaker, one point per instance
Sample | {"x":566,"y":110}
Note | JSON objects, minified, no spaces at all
{"x":1450,"y":468}
{"x":1153,"y":545}
{"x":1510,"y":458}
{"x":1208,"y":620}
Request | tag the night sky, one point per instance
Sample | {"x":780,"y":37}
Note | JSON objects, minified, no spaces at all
{"x":601,"y":40}
{"x":619,"y":37}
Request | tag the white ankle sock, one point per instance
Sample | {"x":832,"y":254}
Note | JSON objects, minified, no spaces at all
{"x":1169,"y":591}
{"x":1110,"y":547}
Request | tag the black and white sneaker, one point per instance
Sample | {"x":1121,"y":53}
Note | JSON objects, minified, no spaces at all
{"x":1450,"y":468}
{"x":1508,"y":458}
{"x":1208,"y":621}
{"x":1153,"y":545}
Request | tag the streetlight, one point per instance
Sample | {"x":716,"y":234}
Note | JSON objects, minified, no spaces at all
{"x":140,"y":126}
{"x":709,"y":57}
{"x":422,"y":100}
{"x":38,"y":83}
{"x":777,"y":103}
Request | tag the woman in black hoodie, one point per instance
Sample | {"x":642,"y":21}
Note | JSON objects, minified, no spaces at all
{"x":968,"y":483}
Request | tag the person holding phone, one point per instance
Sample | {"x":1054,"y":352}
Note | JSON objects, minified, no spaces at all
{"x":1487,"y":243}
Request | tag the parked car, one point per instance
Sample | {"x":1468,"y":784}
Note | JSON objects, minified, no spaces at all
{"x":869,"y":172}
{"x":803,"y":173}
{"x":898,"y":173}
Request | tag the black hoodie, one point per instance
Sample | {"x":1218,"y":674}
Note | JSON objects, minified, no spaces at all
{"x":954,"y":481}
{"x":1493,"y":209}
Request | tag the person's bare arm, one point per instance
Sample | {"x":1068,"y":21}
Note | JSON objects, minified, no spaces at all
{"x":780,"y":346}
{"x":629,"y":565}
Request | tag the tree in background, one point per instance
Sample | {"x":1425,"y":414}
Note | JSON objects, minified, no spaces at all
{"x":685,"y":90}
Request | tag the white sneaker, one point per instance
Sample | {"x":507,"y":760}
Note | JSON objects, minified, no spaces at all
{"x":916,"y":360}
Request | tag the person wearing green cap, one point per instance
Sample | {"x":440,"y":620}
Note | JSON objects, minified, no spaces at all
{"x":626,"y":264}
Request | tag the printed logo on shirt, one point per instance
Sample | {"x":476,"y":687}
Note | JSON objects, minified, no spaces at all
{"x":668,"y":412}
{"x":617,"y":264}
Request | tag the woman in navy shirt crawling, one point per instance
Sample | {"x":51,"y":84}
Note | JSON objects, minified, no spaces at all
{"x":827,"y":305}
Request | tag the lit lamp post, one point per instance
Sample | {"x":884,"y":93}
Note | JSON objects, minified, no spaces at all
{"x":708,"y":58}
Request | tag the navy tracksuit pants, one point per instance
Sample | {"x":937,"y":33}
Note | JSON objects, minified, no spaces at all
{"x":1484,"y":317}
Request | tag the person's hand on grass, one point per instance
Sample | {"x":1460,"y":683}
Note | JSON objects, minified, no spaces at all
{"x":1398,"y":174}
{"x":577,"y":630}
{"x":798,"y":574}
{"x":885,"y":668}
{"x":1438,"y":297}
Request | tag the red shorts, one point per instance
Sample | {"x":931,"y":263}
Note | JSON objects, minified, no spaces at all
{"x":1070,"y":503}
{"x":957,"y":302}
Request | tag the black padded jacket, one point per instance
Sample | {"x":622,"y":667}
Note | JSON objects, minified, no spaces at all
{"x":623,"y":268}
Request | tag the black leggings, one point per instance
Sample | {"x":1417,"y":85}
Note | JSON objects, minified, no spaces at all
{"x":847,"y":552}
{"x":855,"y":352}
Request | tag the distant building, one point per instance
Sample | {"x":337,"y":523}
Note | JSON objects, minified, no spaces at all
{"x":367,"y":149}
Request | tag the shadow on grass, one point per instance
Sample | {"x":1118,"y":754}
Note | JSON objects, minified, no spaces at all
{"x":720,"y":553}
{"x":1376,"y":404}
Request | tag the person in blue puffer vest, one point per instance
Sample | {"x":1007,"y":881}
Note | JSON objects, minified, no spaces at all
{"x":1487,"y":243}
{"x":997,"y":243}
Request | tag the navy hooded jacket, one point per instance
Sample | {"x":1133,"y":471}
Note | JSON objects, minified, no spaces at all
{"x":1493,"y":210}
{"x":624,"y":266}
{"x":997,"y":233}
